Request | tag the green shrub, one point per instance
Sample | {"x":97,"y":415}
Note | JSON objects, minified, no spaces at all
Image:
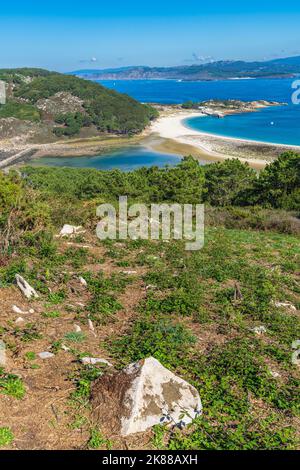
{"x":23,"y":111}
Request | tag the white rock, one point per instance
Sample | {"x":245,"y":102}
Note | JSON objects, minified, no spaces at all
{"x":77,"y":328}
{"x":150,"y":286}
{"x":82,"y":281}
{"x":17,"y":310}
{"x":3,"y":358}
{"x":65,"y":348}
{"x":45,"y":355}
{"x":259,"y":330}
{"x":296,"y":354}
{"x":143,"y":395}
{"x":91,"y":327}
{"x":19,"y":320}
{"x":285,"y":305}
{"x":72,"y":230}
{"x":274,"y":374}
{"x":26,"y":288}
{"x":129,"y":272}
{"x":21,"y":312}
{"x":95,"y":360}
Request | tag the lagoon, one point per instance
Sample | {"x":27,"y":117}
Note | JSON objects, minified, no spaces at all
{"x":126,"y":159}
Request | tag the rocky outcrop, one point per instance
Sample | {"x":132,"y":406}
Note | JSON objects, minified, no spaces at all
{"x":141,"y":396}
{"x":60,"y":103}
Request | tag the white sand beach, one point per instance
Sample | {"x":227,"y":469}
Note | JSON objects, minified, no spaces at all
{"x":171,"y":126}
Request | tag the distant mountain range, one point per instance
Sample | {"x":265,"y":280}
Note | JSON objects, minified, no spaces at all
{"x":220,"y":70}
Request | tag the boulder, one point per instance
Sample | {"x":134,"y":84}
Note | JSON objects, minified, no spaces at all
{"x":25,"y":288}
{"x":141,"y":396}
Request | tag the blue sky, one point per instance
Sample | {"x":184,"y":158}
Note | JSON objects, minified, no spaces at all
{"x":67,"y":35}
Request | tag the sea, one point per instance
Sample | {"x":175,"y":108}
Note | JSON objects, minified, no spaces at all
{"x":278,"y":124}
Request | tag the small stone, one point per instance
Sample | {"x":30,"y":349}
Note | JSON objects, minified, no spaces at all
{"x":45,"y":355}
{"x":26,"y":288}
{"x":150,"y":286}
{"x":296,"y":354}
{"x":65,"y":348}
{"x":21,"y":312}
{"x":259,"y":330}
{"x":129,"y":272}
{"x":70,"y":230}
{"x":82,"y":281}
{"x":77,"y":328}
{"x":18,"y":310}
{"x":91,"y":327}
{"x":19,"y":320}
{"x":3,"y":358}
{"x":285,"y":305}
{"x":94,"y":360}
{"x":274,"y":374}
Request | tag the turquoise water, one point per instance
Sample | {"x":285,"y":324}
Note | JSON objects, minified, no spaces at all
{"x":126,"y":159}
{"x":268,"y":125}
{"x":253,"y":126}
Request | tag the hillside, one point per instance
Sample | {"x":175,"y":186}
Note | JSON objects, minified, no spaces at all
{"x":278,"y":68}
{"x":50,"y":105}
{"x":223,"y":318}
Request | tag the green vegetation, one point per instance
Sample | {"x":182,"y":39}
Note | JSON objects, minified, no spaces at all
{"x":97,"y":441}
{"x":12,"y":385}
{"x":196,"y":312}
{"x":106,"y":109}
{"x":75,"y":336}
{"x":6,"y":437}
{"x":158,"y":337}
{"x":22,"y":111}
{"x":230,"y":183}
{"x":72,"y":123}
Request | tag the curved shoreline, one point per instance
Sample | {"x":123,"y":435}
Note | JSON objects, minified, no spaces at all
{"x":168,"y":134}
{"x":239,"y":139}
{"x":172,"y":129}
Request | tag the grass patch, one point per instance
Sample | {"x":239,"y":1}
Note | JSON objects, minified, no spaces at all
{"x":161,"y":338}
{"x":11,"y":385}
{"x":75,"y":337}
{"x":6,"y":436}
